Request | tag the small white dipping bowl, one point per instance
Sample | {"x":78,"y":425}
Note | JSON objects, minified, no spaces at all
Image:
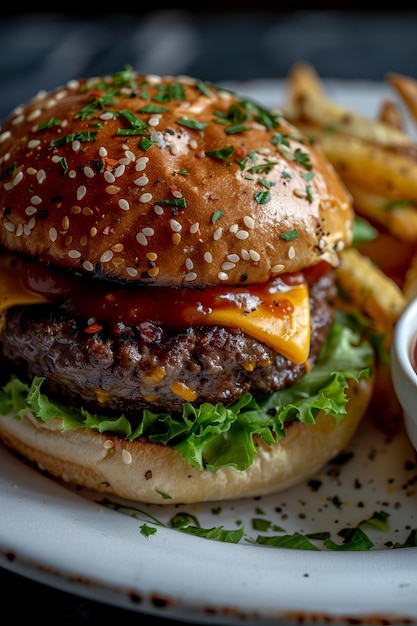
{"x":404,"y":377}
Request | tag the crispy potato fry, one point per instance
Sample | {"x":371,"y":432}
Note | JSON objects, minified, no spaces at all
{"x":391,"y":115}
{"x":410,"y":280}
{"x":371,"y":166}
{"x":406,"y":87}
{"x":308,"y":102}
{"x":370,"y":289}
{"x":399,"y":217}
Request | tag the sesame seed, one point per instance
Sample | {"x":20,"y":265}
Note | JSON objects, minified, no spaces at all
{"x":19,"y":230}
{"x":33,"y":143}
{"x":177,"y":194}
{"x":234,"y":258}
{"x":18,"y":120}
{"x":131,"y":271}
{"x":322,"y":243}
{"x":9,"y":226}
{"x":222,"y":276}
{"x":227,"y":265}
{"x":153,"y":272}
{"x":74,"y":254}
{"x":41,"y":176}
{"x":176,"y":238}
{"x":141,"y":238}
{"x":208,"y":257}
{"x":148,"y":231}
{"x":141,"y":163}
{"x":89,"y":172}
{"x":76,"y":145}
{"x":194,"y":228}
{"x":106,"y":256}
{"x":81,"y":191}
{"x":118,"y":247}
{"x":31,"y":171}
{"x":275,"y":269}
{"x":245,"y":254}
{"x":34,"y":115}
{"x":129,"y":155}
{"x":103,"y":151}
{"x":123,"y":204}
{"x":126,"y":457}
{"x":189,"y":264}
{"x":119,"y":171}
{"x":249,"y":222}
{"x":53,"y":234}
{"x":291,"y":252}
{"x":255,"y":256}
{"x":154,"y":120}
{"x":193,"y":144}
{"x":87,"y":211}
{"x":174,"y":148}
{"x":112,"y":190}
{"x":242,"y":234}
{"x":30,"y":210}
{"x":72,"y":173}
{"x":88,"y":266}
{"x":36,"y":200}
{"x":158,"y":209}
{"x":93,"y":231}
{"x":4,"y":136}
{"x":19,"y":176}
{"x":176,"y":226}
{"x":233,"y":229}
{"x":56,"y":159}
{"x":145,"y":197}
{"x":109,"y":177}
{"x":65,"y":222}
{"x":218,"y":233}
{"x":108,"y":444}
{"x":151,"y":256}
{"x":190,"y":276}
{"x":106,"y":116}
{"x":141,"y":181}
{"x":300,"y":193}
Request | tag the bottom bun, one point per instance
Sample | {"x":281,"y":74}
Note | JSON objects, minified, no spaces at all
{"x":153,"y":473}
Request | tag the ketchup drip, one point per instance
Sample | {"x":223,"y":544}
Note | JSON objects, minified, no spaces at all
{"x":105,"y":302}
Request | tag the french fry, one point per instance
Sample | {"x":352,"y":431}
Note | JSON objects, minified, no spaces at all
{"x":370,"y":289}
{"x":309,"y":103}
{"x":406,"y":87}
{"x":391,"y":115}
{"x":371,"y":166}
{"x":410,"y":280}
{"x":399,"y":217}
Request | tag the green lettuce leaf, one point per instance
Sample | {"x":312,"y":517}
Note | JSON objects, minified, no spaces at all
{"x":215,"y":436}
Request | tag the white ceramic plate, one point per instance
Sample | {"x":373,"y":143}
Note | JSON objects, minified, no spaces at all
{"x":76,"y":541}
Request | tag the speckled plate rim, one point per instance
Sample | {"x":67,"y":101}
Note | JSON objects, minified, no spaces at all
{"x":57,"y":537}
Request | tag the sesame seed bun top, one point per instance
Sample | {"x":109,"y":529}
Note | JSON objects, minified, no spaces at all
{"x":166,"y":180}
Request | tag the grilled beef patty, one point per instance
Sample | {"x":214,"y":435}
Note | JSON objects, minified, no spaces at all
{"x":148,"y":366}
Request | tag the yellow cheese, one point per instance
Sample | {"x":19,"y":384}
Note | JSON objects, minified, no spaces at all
{"x":281,"y":320}
{"x":12,"y":290}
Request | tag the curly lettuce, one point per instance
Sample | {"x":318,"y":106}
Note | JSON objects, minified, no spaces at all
{"x":214,"y":436}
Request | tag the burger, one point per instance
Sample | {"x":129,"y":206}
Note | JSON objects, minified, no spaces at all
{"x":168,"y":323}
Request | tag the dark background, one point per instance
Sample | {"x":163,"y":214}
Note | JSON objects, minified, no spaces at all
{"x":44,"y":49}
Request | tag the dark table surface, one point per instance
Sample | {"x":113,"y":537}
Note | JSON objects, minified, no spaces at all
{"x":41,"y":50}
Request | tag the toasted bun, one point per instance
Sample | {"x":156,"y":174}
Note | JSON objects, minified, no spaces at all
{"x":150,"y":205}
{"x":147,"y":472}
